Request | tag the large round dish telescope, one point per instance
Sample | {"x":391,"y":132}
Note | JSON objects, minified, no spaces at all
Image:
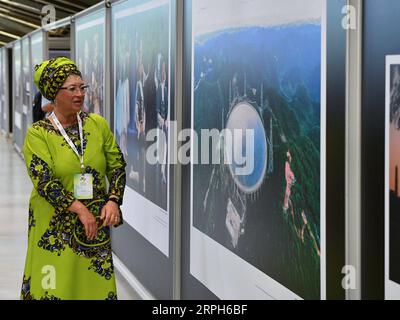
{"x":244,"y":116}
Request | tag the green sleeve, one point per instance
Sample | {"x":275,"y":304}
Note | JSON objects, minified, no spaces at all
{"x":40,"y":169}
{"x":115,"y":165}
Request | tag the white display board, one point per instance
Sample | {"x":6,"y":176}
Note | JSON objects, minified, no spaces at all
{"x":142,"y":70}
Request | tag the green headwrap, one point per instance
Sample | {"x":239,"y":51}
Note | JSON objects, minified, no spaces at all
{"x":51,"y":75}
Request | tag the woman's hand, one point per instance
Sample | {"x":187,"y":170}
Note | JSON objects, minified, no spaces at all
{"x":86,"y":217}
{"x":110,"y":214}
{"x":89,"y":222}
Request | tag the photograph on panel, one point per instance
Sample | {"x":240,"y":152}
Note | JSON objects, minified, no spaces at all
{"x":26,"y":83}
{"x":90,"y":47}
{"x":17,"y":126}
{"x":257,"y":66}
{"x":142,"y":96}
{"x":394,"y":163}
{"x":36,"y":56}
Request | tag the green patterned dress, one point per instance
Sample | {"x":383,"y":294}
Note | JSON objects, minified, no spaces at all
{"x":61,"y":262}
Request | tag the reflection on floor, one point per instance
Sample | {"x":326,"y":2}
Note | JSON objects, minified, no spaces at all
{"x":15,"y":188}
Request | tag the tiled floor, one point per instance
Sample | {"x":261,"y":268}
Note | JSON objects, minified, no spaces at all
{"x":15,"y":188}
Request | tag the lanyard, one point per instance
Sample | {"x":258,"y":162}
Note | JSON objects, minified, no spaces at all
{"x":69,"y":141}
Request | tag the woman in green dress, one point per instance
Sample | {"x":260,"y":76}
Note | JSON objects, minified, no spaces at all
{"x":68,"y":157}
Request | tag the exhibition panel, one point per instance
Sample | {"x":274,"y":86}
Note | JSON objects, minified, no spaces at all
{"x":37,"y":55}
{"x":4,"y":92}
{"x":143,"y":42}
{"x":381,"y":259}
{"x":246,"y":77}
{"x":90,"y":46}
{"x":17,"y":97}
{"x":141,"y":56}
{"x":392,"y":254}
{"x":26,"y":77}
{"x":257,"y":226}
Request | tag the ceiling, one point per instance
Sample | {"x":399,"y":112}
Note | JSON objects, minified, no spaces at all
{"x":20,"y":17}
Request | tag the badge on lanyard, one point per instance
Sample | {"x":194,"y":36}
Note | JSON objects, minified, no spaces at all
{"x":83,"y":186}
{"x":83,"y":183}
